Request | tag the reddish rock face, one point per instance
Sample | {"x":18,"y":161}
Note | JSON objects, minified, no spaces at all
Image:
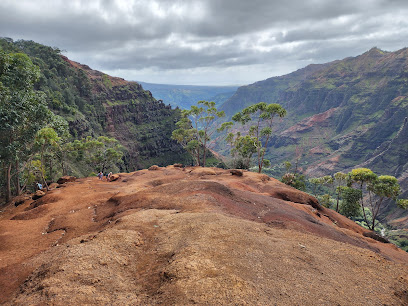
{"x":114,"y":177}
{"x":66,"y":179}
{"x":175,"y":237}
{"x":38,"y":194}
{"x":237,"y":172}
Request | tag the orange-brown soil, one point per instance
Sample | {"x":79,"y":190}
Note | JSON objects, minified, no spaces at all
{"x":187,"y":236}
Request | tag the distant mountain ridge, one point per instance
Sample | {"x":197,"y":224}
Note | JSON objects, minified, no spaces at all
{"x":183,"y":96}
{"x":339,"y":114}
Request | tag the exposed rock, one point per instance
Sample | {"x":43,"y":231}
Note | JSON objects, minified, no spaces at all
{"x":375,"y":236}
{"x":200,"y":171}
{"x":20,"y":199}
{"x":178,"y":165}
{"x":66,"y":179}
{"x":53,"y":185}
{"x":114,"y":177}
{"x":154,"y":167}
{"x":294,"y":195}
{"x":38,"y":194}
{"x":237,"y":172}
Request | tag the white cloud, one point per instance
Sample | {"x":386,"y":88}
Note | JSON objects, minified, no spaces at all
{"x":206,"y":41}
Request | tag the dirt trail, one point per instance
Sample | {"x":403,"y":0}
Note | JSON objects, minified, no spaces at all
{"x":184,"y":236}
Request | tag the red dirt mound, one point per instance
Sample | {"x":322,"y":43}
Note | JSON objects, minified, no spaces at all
{"x":174,"y":237}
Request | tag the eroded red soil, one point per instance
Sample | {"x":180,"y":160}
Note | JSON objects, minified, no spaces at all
{"x":194,"y":235}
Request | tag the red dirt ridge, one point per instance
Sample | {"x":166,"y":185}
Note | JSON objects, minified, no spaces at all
{"x":183,"y":236}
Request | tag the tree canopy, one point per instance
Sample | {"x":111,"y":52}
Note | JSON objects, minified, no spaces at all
{"x":196,"y":127}
{"x":260,"y":116}
{"x":23,"y":110}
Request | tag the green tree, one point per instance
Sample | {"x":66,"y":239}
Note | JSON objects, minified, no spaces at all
{"x":102,"y":152}
{"x":23,"y":111}
{"x":243,"y":147}
{"x":385,"y":186}
{"x":47,"y":140}
{"x":261,"y":116}
{"x":196,"y":127}
{"x":327,"y":181}
{"x":377,"y":189}
{"x":296,"y":180}
{"x":362,"y":177}
{"x":350,"y":206}
{"x":315,"y":181}
{"x":340,"y":180}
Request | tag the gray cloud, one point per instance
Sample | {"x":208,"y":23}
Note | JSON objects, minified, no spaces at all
{"x":189,"y":41}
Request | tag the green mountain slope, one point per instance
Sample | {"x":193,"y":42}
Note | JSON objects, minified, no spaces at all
{"x":183,"y":96}
{"x":268,"y":90}
{"x":340,"y":115}
{"x":96,"y":104}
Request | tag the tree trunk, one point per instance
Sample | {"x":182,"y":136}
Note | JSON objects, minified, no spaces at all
{"x":362,"y":205}
{"x":337,"y":204}
{"x":51,"y":174}
{"x":18,"y":187}
{"x":198,"y":156}
{"x":205,"y":143}
{"x":8,"y":183}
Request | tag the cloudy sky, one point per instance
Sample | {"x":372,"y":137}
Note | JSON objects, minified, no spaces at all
{"x":206,"y":42}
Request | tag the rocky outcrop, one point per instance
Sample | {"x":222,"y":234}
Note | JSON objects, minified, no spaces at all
{"x":237,"y":172}
{"x":66,"y":179}
{"x":38,"y":194}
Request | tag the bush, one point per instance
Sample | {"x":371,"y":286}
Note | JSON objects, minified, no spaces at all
{"x":350,"y":206}
{"x":295,"y":180}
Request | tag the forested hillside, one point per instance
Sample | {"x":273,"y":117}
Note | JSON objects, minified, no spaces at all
{"x":94,"y":104}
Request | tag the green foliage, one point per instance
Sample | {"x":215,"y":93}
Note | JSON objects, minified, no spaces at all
{"x":362,"y":175}
{"x":378,"y":188}
{"x":385,"y":186}
{"x":350,"y":206}
{"x":402,"y":203}
{"x":20,"y":107}
{"x":84,"y":102}
{"x":243,"y":147}
{"x":325,"y":200}
{"x":287,"y":165}
{"x":295,"y":180}
{"x":195,"y":128}
{"x":100,"y":153}
{"x":261,"y":115}
{"x":316,"y":182}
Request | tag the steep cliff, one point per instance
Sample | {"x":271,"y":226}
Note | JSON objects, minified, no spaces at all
{"x":96,"y":104}
{"x":340,"y":115}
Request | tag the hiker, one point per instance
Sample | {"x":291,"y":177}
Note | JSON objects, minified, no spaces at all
{"x":106,"y":175}
{"x":100,"y":175}
{"x":109,"y":176}
{"x":39,"y":186}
